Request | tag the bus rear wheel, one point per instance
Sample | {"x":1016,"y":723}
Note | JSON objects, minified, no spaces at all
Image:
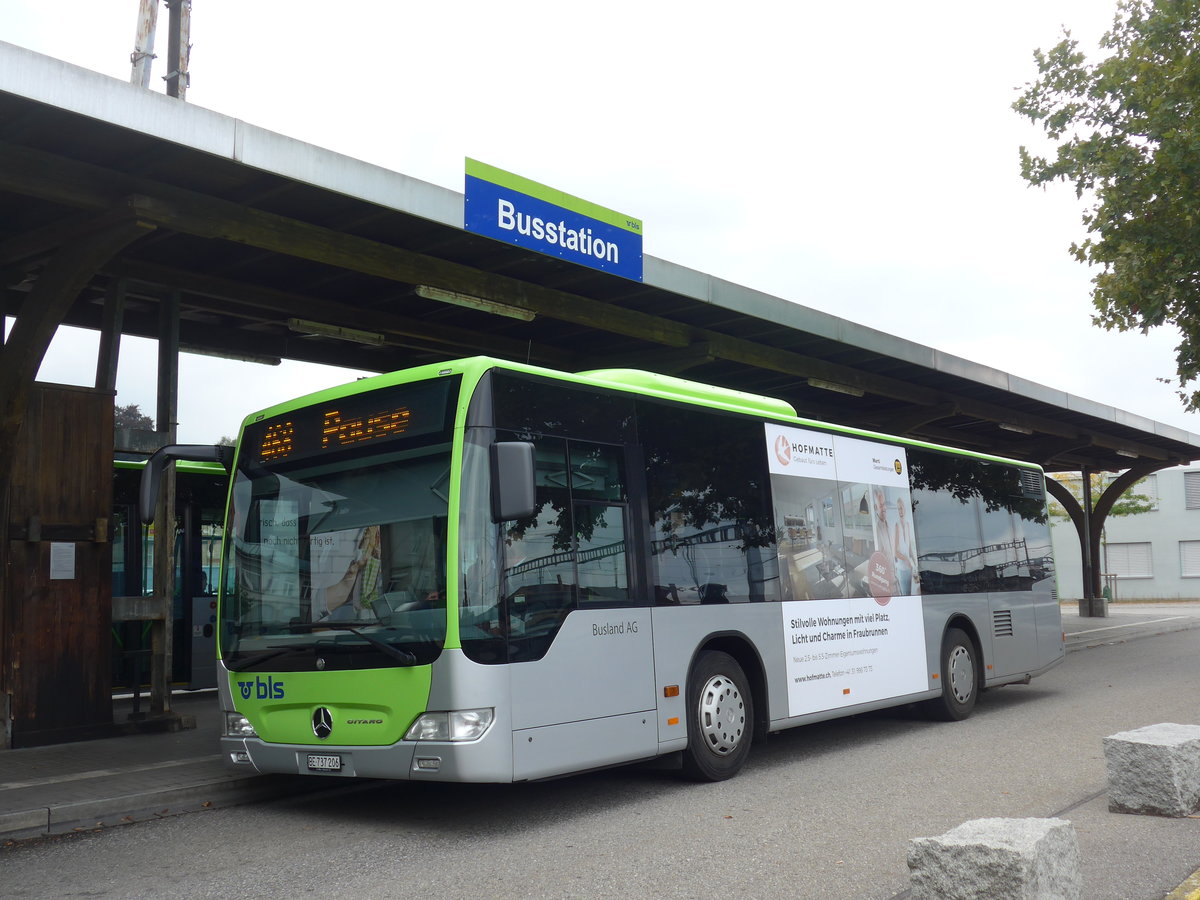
{"x":720,"y":718}
{"x":960,"y":679}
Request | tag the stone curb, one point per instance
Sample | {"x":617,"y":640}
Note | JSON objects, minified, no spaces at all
{"x":1189,"y":890}
{"x":87,"y":815}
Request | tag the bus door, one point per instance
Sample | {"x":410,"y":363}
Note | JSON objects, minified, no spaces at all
{"x":1006,"y":567}
{"x":580,"y":644}
{"x":197,"y":549}
{"x":130,"y":662}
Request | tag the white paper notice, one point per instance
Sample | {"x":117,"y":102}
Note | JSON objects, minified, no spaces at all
{"x":62,"y":561}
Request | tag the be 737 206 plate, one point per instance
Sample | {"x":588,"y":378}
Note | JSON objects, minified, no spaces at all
{"x":324,"y":762}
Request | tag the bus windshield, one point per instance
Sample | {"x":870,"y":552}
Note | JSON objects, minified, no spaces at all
{"x":337,"y":560}
{"x":324,"y":555}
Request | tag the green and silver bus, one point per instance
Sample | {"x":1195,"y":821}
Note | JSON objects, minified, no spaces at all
{"x":201,"y":492}
{"x":483,"y":571}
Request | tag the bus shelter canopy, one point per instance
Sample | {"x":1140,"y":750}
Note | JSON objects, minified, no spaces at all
{"x":277,"y":249}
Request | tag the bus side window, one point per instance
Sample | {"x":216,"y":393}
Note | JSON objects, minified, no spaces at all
{"x":712,"y":534}
{"x":598,"y":492}
{"x":572,"y":551}
{"x":602,"y":559}
{"x":539,"y":578}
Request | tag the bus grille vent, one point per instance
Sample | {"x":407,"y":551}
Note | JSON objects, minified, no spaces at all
{"x":1032,"y":483}
{"x":1002,"y":625}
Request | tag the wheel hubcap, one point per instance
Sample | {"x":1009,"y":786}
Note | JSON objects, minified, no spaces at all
{"x":962,"y":674}
{"x":722,"y":715}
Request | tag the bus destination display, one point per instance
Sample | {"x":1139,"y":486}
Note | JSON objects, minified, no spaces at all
{"x":369,"y":418}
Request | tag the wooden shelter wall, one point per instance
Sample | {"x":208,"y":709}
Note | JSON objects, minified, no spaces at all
{"x":57,"y":664}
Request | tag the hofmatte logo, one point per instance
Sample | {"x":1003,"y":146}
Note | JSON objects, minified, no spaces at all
{"x":783,"y":450}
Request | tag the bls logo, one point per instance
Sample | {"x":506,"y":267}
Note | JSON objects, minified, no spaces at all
{"x":261,"y":690}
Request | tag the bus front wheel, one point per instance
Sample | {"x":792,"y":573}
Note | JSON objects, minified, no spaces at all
{"x":960,"y":678}
{"x":720,"y":718}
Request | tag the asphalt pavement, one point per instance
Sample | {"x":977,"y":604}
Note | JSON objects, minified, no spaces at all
{"x":88,"y":785}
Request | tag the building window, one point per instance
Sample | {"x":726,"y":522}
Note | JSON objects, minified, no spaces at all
{"x":1148,"y":488}
{"x":1189,"y":559}
{"x":1191,"y":489}
{"x":1129,"y":560}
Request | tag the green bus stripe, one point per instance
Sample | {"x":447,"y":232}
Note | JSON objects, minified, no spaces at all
{"x":472,"y":368}
{"x":559,"y":198}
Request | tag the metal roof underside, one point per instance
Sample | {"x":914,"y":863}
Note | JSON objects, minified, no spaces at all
{"x":251,"y":229}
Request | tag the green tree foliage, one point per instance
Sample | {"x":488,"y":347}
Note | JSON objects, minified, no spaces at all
{"x":1128,"y":139}
{"x":131,"y":416}
{"x":998,"y":487}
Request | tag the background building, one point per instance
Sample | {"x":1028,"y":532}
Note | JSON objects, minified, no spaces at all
{"x":1150,"y":555}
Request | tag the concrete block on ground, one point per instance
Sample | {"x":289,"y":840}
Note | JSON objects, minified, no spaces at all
{"x":1154,"y":770}
{"x":998,"y":859}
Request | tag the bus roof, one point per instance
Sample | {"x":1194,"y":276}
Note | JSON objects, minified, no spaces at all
{"x":634,"y":381}
{"x":192,"y":467}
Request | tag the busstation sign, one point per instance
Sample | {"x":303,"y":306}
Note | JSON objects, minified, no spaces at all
{"x":518,"y":211}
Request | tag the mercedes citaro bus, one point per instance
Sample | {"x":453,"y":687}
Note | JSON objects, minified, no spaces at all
{"x":484,"y":571}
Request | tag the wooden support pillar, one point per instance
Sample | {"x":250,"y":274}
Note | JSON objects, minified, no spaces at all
{"x":110,"y":336}
{"x":1089,"y":521}
{"x":1103,"y":506}
{"x":7,"y":613}
{"x":70,"y":267}
{"x":1083,"y":521}
{"x":161,"y":629}
{"x":1090,"y":604}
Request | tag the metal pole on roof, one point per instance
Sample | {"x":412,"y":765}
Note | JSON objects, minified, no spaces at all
{"x":143,"y":43}
{"x":179,"y":31}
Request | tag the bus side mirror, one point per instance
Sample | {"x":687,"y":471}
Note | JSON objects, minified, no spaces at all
{"x":151,"y":475}
{"x":514,"y":492}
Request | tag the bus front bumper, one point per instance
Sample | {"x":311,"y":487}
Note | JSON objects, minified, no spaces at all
{"x":488,"y":759}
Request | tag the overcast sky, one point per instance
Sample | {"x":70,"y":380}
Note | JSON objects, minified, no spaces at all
{"x":855,"y":158}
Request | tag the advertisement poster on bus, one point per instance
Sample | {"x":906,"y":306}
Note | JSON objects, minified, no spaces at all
{"x":852,"y":619}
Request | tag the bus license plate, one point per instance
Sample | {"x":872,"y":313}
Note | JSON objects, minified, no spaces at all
{"x":320,"y":763}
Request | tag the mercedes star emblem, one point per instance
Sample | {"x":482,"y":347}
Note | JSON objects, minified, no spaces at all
{"x":322,"y":722}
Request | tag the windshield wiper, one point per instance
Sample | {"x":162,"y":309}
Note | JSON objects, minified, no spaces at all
{"x":243,"y":664}
{"x":402,"y":656}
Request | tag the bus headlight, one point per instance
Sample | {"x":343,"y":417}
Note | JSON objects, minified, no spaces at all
{"x":455,"y":725}
{"x":238,"y":726}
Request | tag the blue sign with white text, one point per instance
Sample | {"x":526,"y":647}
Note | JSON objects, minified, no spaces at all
{"x":517,"y":211}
